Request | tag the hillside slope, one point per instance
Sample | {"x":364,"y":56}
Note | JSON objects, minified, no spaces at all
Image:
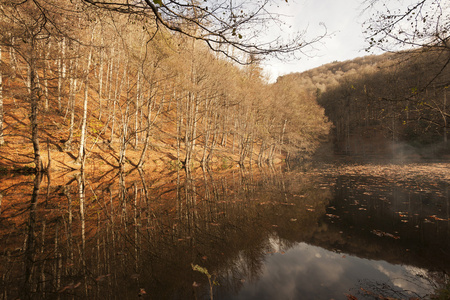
{"x":392,"y":105}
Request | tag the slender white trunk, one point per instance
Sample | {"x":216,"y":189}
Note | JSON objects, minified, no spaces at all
{"x":72,"y":92}
{"x":100,"y":85}
{"x":12,"y":59}
{"x":2,"y":141}
{"x":136,"y":116}
{"x":125,"y":122}
{"x":61,"y":71}
{"x":81,"y":152}
{"x":44,"y":73}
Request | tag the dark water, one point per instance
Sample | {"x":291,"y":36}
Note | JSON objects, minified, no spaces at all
{"x":264,"y":235}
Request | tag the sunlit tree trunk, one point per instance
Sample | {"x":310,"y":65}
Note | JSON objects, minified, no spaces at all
{"x":12,"y":58}
{"x":124,"y":138}
{"x":190,"y":137}
{"x":73,"y":90}
{"x":136,"y":113}
{"x":151,"y":119}
{"x":34,"y":103}
{"x":46,"y":67}
{"x":100,"y":82}
{"x":117,"y":95}
{"x":81,"y":152}
{"x":61,"y":71}
{"x":2,"y":141}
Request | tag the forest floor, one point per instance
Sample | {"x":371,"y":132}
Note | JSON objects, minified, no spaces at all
{"x":17,"y":154}
{"x":101,"y":157}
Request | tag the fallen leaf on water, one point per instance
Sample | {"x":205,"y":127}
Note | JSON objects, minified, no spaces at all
{"x":332,"y":216}
{"x":402,"y":214}
{"x":382,"y":233}
{"x":142,"y":292}
{"x":436,"y":218}
{"x":293,"y":220}
{"x":195,"y":284}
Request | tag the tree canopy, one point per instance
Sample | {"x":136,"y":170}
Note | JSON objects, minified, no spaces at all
{"x":241,"y":30}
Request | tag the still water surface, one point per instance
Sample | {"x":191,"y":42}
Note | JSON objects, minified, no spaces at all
{"x":272,"y":234}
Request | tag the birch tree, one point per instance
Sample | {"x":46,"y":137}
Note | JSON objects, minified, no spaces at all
{"x":2,"y":141}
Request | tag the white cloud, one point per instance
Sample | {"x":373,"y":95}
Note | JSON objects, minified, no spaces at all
{"x":343,"y":20}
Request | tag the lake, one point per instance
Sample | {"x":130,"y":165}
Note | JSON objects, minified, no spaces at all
{"x":322,"y":231}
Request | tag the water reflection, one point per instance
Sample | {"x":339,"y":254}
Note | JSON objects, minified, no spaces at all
{"x":310,"y":272}
{"x":266,"y":235}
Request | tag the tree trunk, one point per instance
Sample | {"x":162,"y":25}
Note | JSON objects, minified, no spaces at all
{"x":45,"y":75}
{"x":2,"y":141}
{"x":81,"y":153}
{"x":34,"y":103}
{"x":150,"y":121}
{"x":61,"y":71}
{"x":100,"y":84}
{"x":125,"y":121}
{"x":72,"y":92}
{"x":136,"y":114}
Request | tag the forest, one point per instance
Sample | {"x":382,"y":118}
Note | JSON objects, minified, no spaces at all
{"x":88,"y":83}
{"x":81,"y":84}
{"x":390,"y":105}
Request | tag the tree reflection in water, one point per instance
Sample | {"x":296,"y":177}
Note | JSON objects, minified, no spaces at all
{"x":130,"y":235}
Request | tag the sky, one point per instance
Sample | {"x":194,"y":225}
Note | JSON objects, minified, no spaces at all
{"x":343,"y":19}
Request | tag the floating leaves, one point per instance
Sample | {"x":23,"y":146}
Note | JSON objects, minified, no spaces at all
{"x":434,"y":217}
{"x":142,"y":292}
{"x":382,"y":234}
{"x":332,"y":216}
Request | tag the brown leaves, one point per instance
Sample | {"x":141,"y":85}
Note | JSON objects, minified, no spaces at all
{"x":382,"y":234}
{"x":142,"y":292}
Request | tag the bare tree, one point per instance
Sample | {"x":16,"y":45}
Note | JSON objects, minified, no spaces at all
{"x":236,"y":29}
{"x":421,"y":24}
{"x":420,"y":27}
{"x":27,"y":26}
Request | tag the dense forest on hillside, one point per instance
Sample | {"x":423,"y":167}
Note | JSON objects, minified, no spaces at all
{"x":391,"y":104}
{"x":86,"y":83}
